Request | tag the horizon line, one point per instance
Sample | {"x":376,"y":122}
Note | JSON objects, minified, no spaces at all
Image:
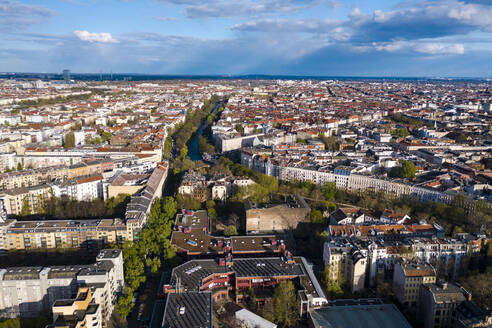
{"x":3,"y":73}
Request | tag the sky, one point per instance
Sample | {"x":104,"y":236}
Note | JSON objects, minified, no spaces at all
{"x":400,"y":38}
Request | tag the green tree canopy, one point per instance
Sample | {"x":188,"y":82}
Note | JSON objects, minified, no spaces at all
{"x":69,"y":141}
{"x":406,"y":170}
{"x":332,"y":284}
{"x":285,"y":304}
{"x":230,"y":230}
{"x":329,"y":190}
{"x":316,"y":216}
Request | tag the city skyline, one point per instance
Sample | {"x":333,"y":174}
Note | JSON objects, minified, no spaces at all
{"x":317,"y":38}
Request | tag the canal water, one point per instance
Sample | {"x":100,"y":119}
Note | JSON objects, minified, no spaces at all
{"x":193,"y":152}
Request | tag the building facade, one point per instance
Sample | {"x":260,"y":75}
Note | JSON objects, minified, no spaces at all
{"x":27,"y":291}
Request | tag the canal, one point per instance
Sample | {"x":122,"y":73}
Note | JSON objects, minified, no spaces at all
{"x":193,"y":152}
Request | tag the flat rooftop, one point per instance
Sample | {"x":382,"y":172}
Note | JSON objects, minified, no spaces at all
{"x":198,"y":242}
{"x":192,"y":219}
{"x":359,"y":316}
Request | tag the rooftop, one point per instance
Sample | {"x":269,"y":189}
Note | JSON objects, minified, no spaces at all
{"x":188,"y":310}
{"x":363,"y":316}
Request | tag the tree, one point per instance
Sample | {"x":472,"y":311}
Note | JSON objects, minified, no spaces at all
{"x":401,"y":132}
{"x":258,"y":193}
{"x":204,"y":146}
{"x":26,"y":207}
{"x":285,"y":304}
{"x":153,"y":263}
{"x":69,"y":141}
{"x":230,"y":230}
{"x":480,"y":286}
{"x":239,"y":128}
{"x":330,"y":143}
{"x":169,"y":207}
{"x":106,"y":136}
{"x":233,"y":219}
{"x":19,"y":166}
{"x":125,"y":303}
{"x":210,"y":204}
{"x":406,"y":170}
{"x":329,"y":206}
{"x":332,"y":281}
{"x":252,"y":304}
{"x":316,"y":216}
{"x":188,"y":202}
{"x":329,"y":190}
{"x":212,"y":213}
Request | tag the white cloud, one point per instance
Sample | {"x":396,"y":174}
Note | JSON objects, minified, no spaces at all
{"x":388,"y":46}
{"x":438,"y":48}
{"x":425,"y":47}
{"x":101,"y":37}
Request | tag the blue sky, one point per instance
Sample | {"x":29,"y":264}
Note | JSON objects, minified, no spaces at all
{"x":290,"y":37}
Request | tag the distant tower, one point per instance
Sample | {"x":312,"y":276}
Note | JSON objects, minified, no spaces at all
{"x":66,"y":75}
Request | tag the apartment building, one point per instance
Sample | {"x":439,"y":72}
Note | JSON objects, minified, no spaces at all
{"x":344,"y":179}
{"x":33,"y":197}
{"x":407,"y":278}
{"x":78,"y":312}
{"x":29,"y":178}
{"x":348,"y":265}
{"x":193,"y":184}
{"x":124,"y":183}
{"x":81,"y":188}
{"x":437,"y":304}
{"x":140,"y":203}
{"x":90,"y":235}
{"x":27,"y":291}
{"x":383,"y":246}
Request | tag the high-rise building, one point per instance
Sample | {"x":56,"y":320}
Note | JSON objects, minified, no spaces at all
{"x":66,"y":75}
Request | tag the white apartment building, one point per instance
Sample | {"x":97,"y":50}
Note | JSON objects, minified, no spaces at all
{"x":27,"y":291}
{"x":220,"y":190}
{"x":384,"y":256}
{"x":83,"y":188}
{"x":356,"y":182}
